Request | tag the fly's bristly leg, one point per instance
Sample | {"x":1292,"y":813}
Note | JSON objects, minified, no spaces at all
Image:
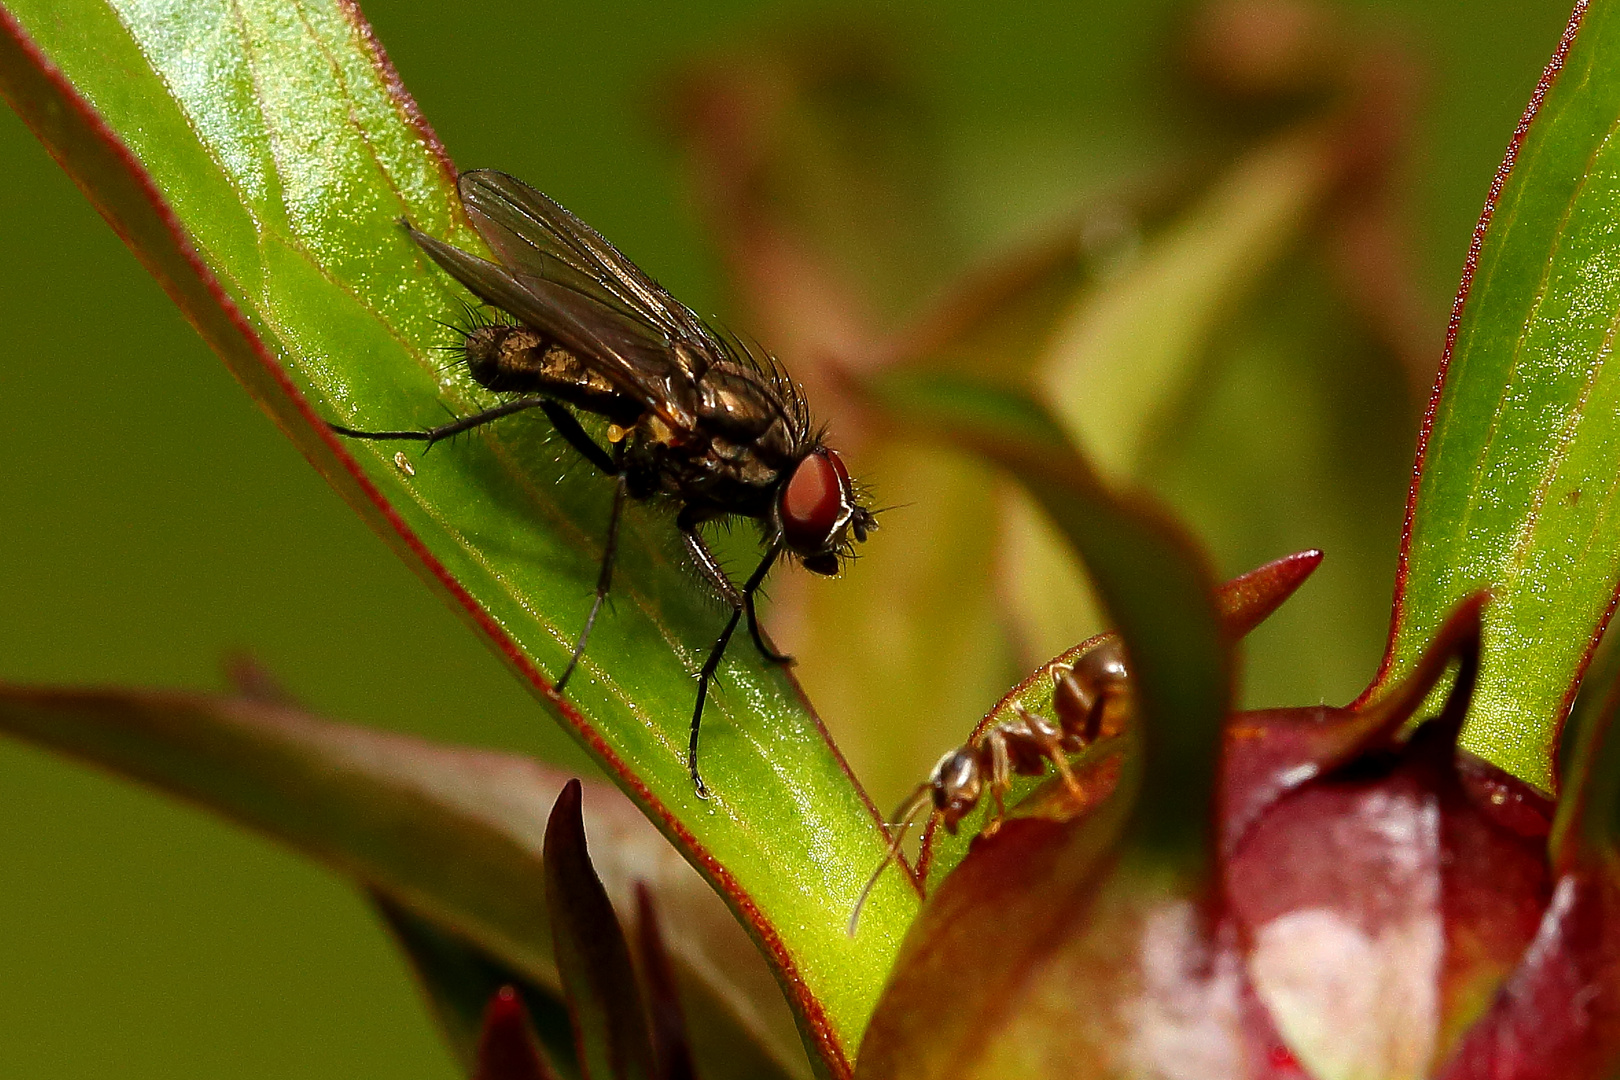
{"x":750,"y":590}
{"x":710,"y":567}
{"x":739,"y":602}
{"x":610,"y":549}
{"x":444,"y":431}
{"x":707,"y":564}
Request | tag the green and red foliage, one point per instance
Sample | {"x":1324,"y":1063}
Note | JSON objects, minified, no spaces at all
{"x":1405,"y":886}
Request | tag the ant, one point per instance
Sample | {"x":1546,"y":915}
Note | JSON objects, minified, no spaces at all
{"x":1023,"y":746}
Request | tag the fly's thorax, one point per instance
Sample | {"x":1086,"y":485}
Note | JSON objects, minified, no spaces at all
{"x":714,"y":479}
{"x":734,"y":404}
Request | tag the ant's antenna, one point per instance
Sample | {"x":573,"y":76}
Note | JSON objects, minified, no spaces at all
{"x":905,"y":816}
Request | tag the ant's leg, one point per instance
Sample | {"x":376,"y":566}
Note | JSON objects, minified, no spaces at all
{"x":455,"y":427}
{"x":903,"y":818}
{"x":1000,"y":778}
{"x":712,"y":664}
{"x":1061,"y":760}
{"x":1051,"y":747}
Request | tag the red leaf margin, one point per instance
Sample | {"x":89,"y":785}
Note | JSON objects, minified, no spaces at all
{"x":99,"y":162}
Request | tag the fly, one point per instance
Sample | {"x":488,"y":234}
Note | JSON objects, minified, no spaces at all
{"x":693,"y":415}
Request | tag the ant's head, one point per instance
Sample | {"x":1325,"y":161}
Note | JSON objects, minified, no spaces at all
{"x":956,"y":785}
{"x":821,"y":517}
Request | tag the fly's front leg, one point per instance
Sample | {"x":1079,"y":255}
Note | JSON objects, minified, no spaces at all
{"x":707,"y":564}
{"x":750,"y":590}
{"x":738,"y":602}
{"x":704,"y":677}
{"x":759,"y":640}
{"x":717,"y":577}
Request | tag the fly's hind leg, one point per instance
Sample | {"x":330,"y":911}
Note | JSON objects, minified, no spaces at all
{"x":569,"y":427}
{"x":455,"y":427}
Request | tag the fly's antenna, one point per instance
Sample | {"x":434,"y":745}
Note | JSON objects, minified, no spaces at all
{"x":905,"y":816}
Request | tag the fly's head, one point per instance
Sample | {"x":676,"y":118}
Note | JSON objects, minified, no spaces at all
{"x":821,"y":516}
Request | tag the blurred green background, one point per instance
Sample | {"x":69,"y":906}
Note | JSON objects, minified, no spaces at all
{"x":154,"y":522}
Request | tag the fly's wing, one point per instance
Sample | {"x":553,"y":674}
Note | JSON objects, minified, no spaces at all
{"x":532,"y":235}
{"x":638,"y":358}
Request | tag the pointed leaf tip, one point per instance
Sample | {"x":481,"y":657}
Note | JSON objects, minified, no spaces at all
{"x":1247,"y":601}
{"x":507,"y":1049}
{"x":1513,"y":483}
{"x":604,"y":999}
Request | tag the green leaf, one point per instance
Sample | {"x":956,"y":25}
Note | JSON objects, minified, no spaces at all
{"x":450,"y":835}
{"x":604,"y":998}
{"x":1588,"y":815}
{"x":258,"y":157}
{"x":994,"y":924}
{"x":1128,"y":350}
{"x":1516,"y":490}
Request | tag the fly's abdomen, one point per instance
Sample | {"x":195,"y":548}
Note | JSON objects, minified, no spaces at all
{"x":518,"y":359}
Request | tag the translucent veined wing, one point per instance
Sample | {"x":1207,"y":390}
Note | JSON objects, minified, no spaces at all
{"x":637,"y":359}
{"x":533,"y":235}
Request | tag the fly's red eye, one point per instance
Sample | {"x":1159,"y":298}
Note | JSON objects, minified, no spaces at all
{"x":838,"y":466}
{"x":814,"y":502}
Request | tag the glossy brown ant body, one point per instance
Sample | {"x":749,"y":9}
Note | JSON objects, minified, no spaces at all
{"x":1022,"y":746}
